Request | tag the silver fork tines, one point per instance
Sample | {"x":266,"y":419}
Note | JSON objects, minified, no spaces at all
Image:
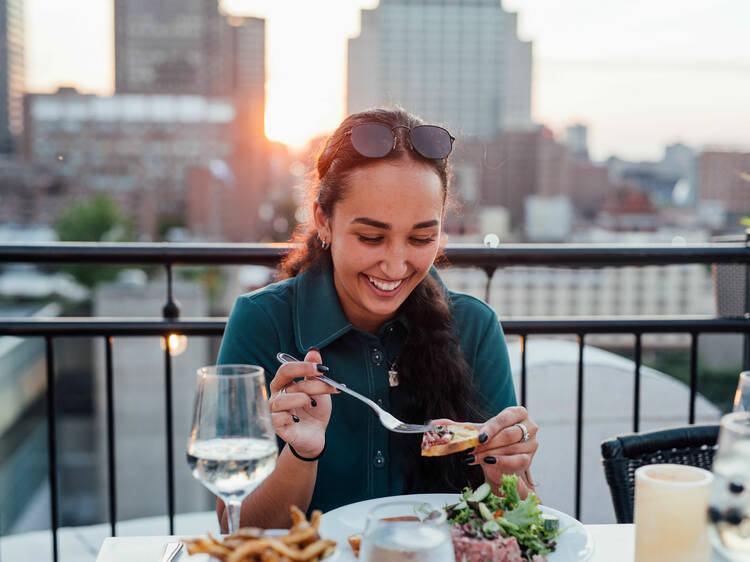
{"x":388,"y":420}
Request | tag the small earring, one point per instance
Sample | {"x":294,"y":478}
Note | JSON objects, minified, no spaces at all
{"x":324,"y":243}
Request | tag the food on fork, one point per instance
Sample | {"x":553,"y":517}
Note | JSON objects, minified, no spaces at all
{"x":301,"y":544}
{"x":451,"y":438}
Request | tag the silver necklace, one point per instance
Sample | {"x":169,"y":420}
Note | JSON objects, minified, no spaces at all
{"x":393,"y":373}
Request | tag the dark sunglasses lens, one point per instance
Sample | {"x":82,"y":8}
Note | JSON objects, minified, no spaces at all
{"x":431,"y":141}
{"x":372,"y":139}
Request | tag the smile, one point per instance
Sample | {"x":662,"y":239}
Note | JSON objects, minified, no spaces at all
{"x":385,"y":285}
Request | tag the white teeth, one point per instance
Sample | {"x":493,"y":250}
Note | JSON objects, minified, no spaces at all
{"x":385,"y":286}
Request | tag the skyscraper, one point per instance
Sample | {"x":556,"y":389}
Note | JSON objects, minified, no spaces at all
{"x":457,"y":62}
{"x":11,"y":72}
{"x":186,"y":47}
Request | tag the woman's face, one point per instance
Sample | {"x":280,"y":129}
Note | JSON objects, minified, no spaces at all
{"x":384,"y":236}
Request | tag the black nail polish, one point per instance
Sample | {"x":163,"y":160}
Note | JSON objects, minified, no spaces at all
{"x":490,"y":460}
{"x":295,"y":419}
{"x":468,"y":459}
{"x":469,"y":451}
{"x":313,"y":403}
{"x":321,"y":368}
{"x":483,"y":437}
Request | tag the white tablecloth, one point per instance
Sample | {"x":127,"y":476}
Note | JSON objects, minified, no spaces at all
{"x":613,"y":543}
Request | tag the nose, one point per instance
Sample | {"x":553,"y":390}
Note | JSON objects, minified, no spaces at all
{"x":394,"y":264}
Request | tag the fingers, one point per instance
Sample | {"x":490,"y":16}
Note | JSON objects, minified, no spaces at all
{"x":280,"y":420}
{"x":506,"y":418}
{"x":313,"y":356}
{"x":501,"y":431}
{"x":289,"y":401}
{"x":510,"y":464}
{"x":287,"y":372}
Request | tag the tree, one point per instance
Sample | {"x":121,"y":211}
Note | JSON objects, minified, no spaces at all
{"x":95,"y":220}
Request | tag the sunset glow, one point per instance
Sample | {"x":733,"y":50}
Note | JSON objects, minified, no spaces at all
{"x":684,"y":79}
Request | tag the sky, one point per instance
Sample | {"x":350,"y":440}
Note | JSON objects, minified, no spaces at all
{"x":639,"y":73}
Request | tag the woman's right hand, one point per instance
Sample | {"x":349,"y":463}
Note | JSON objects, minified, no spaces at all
{"x":308,"y":401}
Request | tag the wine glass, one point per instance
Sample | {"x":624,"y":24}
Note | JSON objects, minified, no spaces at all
{"x":742,"y":396}
{"x":232,"y":446}
{"x":401,"y":531}
{"x":729,"y":502}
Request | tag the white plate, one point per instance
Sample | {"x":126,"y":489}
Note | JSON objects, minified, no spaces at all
{"x":573,"y":545}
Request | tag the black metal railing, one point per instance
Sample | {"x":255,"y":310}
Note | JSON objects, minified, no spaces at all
{"x":487,"y":259}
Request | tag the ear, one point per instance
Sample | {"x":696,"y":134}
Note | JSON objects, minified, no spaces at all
{"x":321,"y":221}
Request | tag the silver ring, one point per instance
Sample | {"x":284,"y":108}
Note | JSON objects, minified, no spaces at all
{"x":526,"y":435}
{"x":282,"y":391}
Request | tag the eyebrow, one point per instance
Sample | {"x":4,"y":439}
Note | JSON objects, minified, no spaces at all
{"x":386,"y":226}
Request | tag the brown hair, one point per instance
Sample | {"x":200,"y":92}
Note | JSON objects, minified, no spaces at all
{"x":431,"y":349}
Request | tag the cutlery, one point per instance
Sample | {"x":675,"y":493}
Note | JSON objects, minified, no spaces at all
{"x":171,"y":550}
{"x":389,"y":421}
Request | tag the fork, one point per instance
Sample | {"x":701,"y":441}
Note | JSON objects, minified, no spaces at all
{"x":171,"y":550}
{"x":389,"y":421}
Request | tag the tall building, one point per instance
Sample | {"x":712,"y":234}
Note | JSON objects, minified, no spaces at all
{"x":455,"y":62}
{"x":186,"y":47}
{"x":724,"y":177}
{"x":11,"y":72}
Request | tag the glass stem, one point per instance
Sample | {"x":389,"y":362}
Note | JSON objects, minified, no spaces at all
{"x":233,"y":515}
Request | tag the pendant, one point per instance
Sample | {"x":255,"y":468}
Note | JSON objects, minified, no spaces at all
{"x":392,"y":377}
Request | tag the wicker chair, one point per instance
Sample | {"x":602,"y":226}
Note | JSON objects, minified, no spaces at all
{"x":693,"y":445}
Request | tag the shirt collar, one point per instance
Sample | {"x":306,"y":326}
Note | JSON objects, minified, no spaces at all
{"x":319,"y":318}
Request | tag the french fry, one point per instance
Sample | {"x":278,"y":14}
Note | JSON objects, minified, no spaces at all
{"x":301,"y":544}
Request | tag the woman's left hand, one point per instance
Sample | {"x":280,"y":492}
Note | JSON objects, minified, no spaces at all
{"x":502,"y":448}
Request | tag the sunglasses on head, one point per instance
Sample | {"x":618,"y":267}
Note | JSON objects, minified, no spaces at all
{"x":376,"y":140}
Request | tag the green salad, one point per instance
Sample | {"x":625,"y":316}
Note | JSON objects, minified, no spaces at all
{"x":483,"y":515}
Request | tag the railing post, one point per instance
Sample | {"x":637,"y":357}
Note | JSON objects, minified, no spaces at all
{"x":490,"y":271}
{"x":171,"y":309}
{"x":52,"y":443}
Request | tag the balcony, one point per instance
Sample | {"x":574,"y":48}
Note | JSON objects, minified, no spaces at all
{"x":48,"y":337}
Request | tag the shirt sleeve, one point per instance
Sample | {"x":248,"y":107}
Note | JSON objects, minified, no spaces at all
{"x":251,"y":337}
{"x":492,"y":368}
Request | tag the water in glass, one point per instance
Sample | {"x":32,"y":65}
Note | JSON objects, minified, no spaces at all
{"x":729,"y":503}
{"x":424,"y":538}
{"x":232,"y":446}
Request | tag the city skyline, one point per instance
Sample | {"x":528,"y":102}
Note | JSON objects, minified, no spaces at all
{"x":666,"y":73}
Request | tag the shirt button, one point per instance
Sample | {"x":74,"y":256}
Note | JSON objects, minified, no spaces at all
{"x":377,"y":357}
{"x":379,"y":460}
{"x":390,"y":329}
{"x":380,"y":402}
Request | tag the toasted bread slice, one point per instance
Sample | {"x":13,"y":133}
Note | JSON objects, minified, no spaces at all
{"x":462,"y":437}
{"x":355,"y":541}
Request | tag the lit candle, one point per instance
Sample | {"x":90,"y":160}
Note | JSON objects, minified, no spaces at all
{"x":670,"y":513}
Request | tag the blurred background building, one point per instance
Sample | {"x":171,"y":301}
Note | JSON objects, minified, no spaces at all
{"x":11,"y":73}
{"x":457,"y":63}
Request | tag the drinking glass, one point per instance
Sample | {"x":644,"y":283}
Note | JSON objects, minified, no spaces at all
{"x":232,"y":447}
{"x":742,"y":396}
{"x":670,"y":513}
{"x":729,"y":503}
{"x":401,"y":531}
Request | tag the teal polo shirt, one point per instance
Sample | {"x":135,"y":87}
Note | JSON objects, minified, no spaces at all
{"x":304,"y":312}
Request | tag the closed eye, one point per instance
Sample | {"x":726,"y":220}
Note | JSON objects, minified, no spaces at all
{"x":370,"y":239}
{"x":422,"y":241}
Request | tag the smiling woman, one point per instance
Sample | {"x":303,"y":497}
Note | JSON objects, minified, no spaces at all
{"x":360,"y":295}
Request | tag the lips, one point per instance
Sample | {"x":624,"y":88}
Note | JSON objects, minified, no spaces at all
{"x":387,"y":286}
